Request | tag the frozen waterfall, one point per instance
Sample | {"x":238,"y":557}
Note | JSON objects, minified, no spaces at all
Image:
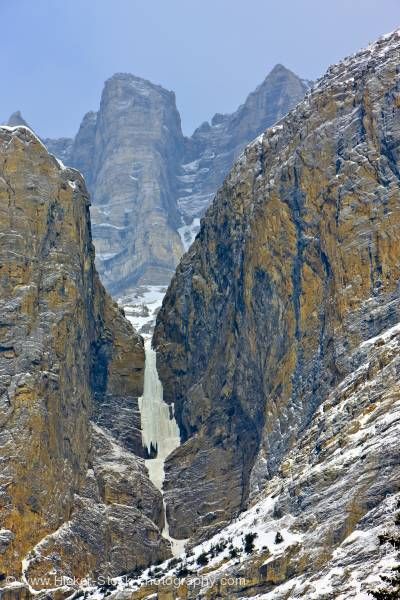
{"x":159,"y":431}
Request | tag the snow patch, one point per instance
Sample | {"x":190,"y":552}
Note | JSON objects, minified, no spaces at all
{"x":188,"y":233}
{"x":142,"y":306}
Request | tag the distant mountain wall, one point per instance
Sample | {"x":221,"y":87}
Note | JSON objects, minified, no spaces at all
{"x":147,"y":181}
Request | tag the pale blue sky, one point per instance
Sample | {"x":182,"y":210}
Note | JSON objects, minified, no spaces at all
{"x":56,"y":54}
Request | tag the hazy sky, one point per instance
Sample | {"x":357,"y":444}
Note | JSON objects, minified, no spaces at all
{"x":56,"y":54}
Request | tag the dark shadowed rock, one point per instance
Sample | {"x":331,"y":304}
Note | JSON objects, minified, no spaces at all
{"x":295,"y":266}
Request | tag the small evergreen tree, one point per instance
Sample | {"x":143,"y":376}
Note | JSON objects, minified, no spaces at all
{"x":249,"y":542}
{"x":183,"y":571}
{"x":173,"y":562}
{"x":278,"y":538}
{"x":202,"y":559}
{"x":391,"y":589}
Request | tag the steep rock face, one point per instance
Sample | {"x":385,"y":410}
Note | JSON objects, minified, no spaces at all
{"x":296,"y":264}
{"x":82,"y":152}
{"x":212,"y":149}
{"x":69,"y":494}
{"x":129,"y":153}
{"x":60,"y":147}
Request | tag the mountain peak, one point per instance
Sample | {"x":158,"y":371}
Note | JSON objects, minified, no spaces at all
{"x":279,"y":68}
{"x":135,"y":83}
{"x":17,"y":119}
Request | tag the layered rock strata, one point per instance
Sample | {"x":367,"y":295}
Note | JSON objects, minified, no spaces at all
{"x":129,"y":152}
{"x":74,"y":499}
{"x":296,"y":265}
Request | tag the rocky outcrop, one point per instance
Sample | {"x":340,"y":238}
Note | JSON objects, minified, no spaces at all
{"x":213,"y":148}
{"x":74,"y":499}
{"x":295,"y":267}
{"x":129,"y":152}
{"x":114,"y":526}
{"x":60,"y":147}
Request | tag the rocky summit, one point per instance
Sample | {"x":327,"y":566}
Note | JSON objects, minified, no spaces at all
{"x":213,"y":148}
{"x":17,"y":119}
{"x":75,"y":497}
{"x":128,"y":153}
{"x":149,"y":184}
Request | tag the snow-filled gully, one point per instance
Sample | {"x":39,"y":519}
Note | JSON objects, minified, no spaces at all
{"x":159,"y":431}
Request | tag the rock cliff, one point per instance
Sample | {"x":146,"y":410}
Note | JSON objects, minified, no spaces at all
{"x":295,"y":267}
{"x":60,"y":147}
{"x":74,"y":499}
{"x":129,"y":152}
